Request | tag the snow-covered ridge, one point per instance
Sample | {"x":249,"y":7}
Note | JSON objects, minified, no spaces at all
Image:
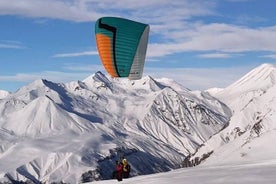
{"x":250,"y":133}
{"x":83,"y":126}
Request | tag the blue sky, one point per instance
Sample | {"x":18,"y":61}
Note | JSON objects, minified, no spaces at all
{"x":198,"y":43}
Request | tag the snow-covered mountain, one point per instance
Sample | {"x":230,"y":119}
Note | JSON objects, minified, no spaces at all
{"x":74,"y":132}
{"x":250,"y":136}
{"x":3,"y":94}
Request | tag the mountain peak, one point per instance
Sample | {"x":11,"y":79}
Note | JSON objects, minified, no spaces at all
{"x":98,"y":80}
{"x":100,"y":76}
{"x":266,"y":65}
{"x":3,"y":94}
{"x":172,"y":83}
{"x":148,"y":82}
{"x":39,"y":83}
{"x":260,"y":78}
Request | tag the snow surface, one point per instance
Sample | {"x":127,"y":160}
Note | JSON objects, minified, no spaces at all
{"x":254,"y":173}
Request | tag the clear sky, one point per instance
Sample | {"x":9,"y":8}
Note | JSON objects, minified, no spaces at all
{"x":198,"y":43}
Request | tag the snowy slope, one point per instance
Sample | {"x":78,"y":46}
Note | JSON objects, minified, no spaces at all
{"x":54,"y":132}
{"x":254,"y":173}
{"x":251,"y":132}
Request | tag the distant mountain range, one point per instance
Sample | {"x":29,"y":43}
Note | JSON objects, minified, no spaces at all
{"x":75,"y":132}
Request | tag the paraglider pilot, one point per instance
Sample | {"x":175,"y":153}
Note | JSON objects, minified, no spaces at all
{"x":126,"y":168}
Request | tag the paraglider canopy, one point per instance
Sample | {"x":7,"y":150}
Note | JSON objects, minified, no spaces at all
{"x":122,"y":46}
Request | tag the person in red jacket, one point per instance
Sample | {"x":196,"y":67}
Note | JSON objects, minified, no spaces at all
{"x":118,"y":173}
{"x":119,"y":170}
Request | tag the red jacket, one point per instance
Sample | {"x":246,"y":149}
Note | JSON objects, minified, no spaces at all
{"x":119,"y":168}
